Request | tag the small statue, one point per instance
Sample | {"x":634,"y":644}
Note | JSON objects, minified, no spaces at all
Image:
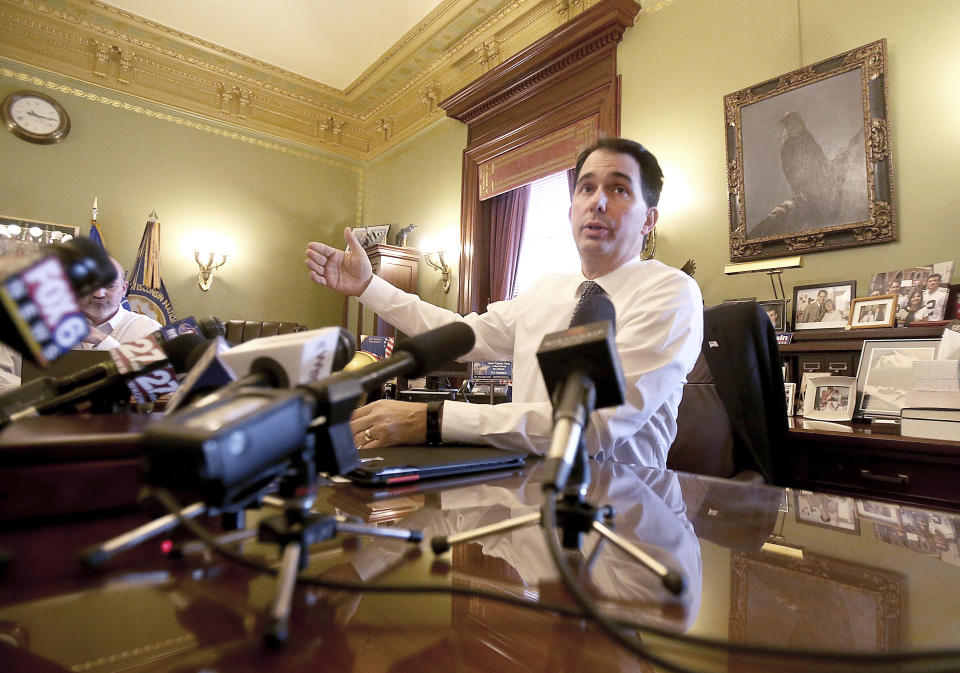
{"x":401,"y":237}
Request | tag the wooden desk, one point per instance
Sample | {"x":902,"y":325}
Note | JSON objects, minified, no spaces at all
{"x":849,"y":458}
{"x":835,"y":572}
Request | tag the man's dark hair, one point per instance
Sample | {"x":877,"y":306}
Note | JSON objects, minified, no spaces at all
{"x":651,"y":177}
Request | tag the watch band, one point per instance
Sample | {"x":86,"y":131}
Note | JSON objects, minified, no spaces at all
{"x":434,"y":419}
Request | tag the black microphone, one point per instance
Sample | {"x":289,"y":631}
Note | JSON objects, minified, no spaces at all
{"x":230,"y":447}
{"x":209,"y":327}
{"x":413,"y":357}
{"x":39,"y":314}
{"x":582,"y":372}
{"x":144,"y":369}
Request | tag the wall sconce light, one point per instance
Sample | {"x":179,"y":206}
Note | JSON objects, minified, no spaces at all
{"x":210,"y":253}
{"x":440,"y":266}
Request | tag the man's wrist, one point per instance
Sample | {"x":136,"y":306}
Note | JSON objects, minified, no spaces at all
{"x":434,"y":422}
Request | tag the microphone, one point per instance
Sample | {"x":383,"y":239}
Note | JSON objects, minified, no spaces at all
{"x":279,"y":361}
{"x":143,"y":369}
{"x":209,"y":327}
{"x":581,"y":370}
{"x":413,"y":357}
{"x":39,"y":314}
{"x":230,"y":447}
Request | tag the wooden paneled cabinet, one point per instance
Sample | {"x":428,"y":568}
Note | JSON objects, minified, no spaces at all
{"x":398,"y":266}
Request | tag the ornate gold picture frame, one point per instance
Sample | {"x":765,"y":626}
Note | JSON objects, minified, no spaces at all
{"x":809,"y":163}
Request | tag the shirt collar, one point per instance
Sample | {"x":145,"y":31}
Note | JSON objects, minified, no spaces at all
{"x":614,"y":281}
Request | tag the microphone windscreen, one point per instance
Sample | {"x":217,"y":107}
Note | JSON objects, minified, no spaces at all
{"x":597,"y":308}
{"x":211,"y":327}
{"x":86,"y":264}
{"x":346,"y":349}
{"x":438,"y":346}
{"x":178,"y":350}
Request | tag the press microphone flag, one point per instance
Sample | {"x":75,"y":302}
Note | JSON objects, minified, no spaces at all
{"x":39,"y":314}
{"x":295,"y":358}
{"x":143,"y":369}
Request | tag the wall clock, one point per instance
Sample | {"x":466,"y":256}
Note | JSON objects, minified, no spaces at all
{"x":35,"y":117}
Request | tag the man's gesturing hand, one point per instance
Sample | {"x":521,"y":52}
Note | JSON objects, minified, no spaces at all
{"x":348,"y":273}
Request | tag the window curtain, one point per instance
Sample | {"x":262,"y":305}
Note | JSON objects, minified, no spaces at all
{"x":504,"y":217}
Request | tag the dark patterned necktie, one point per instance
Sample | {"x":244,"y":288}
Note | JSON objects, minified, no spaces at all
{"x":588,"y":289}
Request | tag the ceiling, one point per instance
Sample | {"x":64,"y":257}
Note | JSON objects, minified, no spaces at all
{"x":350,"y":78}
{"x":327,"y":41}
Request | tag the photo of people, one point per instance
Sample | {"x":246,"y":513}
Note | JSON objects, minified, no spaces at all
{"x":829,"y":511}
{"x":930,"y":282}
{"x":823,"y":306}
{"x":776,"y":310}
{"x":874,"y":311}
{"x":831,"y":398}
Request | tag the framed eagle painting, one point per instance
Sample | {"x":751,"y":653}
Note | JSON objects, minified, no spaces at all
{"x":809,"y":163}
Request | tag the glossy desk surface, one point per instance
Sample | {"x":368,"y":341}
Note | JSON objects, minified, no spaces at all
{"x":763,"y":565}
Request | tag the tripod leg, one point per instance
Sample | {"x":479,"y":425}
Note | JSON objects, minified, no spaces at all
{"x":398,"y":533}
{"x":278,"y":630}
{"x":443,"y":543}
{"x":95,"y":555}
{"x":671,"y":579}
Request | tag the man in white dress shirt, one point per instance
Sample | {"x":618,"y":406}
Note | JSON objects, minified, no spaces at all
{"x":659,"y":325}
{"x":110,"y":323}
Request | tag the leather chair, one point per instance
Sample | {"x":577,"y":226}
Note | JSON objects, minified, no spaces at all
{"x":733,"y":417}
{"x":239,"y":331}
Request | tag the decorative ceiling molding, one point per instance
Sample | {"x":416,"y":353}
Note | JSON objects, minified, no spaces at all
{"x":395,"y":98}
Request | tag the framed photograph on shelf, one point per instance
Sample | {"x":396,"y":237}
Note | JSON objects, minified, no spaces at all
{"x":776,"y":310}
{"x":374,"y":234}
{"x":789,"y":392}
{"x":830,"y":398}
{"x":809,"y":159}
{"x":823,"y":305}
{"x":878,"y":311}
{"x":827,"y":511}
{"x":885,"y":374}
{"x":881,"y":512}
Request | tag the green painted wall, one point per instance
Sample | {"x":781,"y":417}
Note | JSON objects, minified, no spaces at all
{"x":419,"y":183}
{"x":676,"y":64}
{"x":679,"y":62}
{"x":270,"y":197}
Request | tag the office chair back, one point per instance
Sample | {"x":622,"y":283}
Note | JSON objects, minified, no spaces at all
{"x":733,"y":415}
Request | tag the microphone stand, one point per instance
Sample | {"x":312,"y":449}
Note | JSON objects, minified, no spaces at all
{"x":575,"y":516}
{"x":298,"y":528}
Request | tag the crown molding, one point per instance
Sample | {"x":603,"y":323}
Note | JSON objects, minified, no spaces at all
{"x":457,"y":44}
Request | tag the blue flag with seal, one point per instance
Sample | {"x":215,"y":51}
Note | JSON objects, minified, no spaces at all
{"x":147,"y":294}
{"x":97,"y":238}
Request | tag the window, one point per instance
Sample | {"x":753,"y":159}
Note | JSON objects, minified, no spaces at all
{"x":547,"y":245}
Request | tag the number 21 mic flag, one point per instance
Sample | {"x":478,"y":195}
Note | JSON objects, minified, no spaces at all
{"x":147,"y":293}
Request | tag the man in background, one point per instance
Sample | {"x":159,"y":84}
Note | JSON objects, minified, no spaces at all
{"x":935,"y":297}
{"x":110,"y":323}
{"x":659,"y":325}
{"x":813,"y":311}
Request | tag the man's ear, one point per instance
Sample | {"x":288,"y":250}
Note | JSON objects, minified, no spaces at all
{"x":653,"y":214}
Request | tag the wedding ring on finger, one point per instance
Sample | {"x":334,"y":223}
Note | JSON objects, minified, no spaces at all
{"x":367,"y":435}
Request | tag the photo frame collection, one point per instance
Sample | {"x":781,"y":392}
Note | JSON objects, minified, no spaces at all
{"x":930,"y":533}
